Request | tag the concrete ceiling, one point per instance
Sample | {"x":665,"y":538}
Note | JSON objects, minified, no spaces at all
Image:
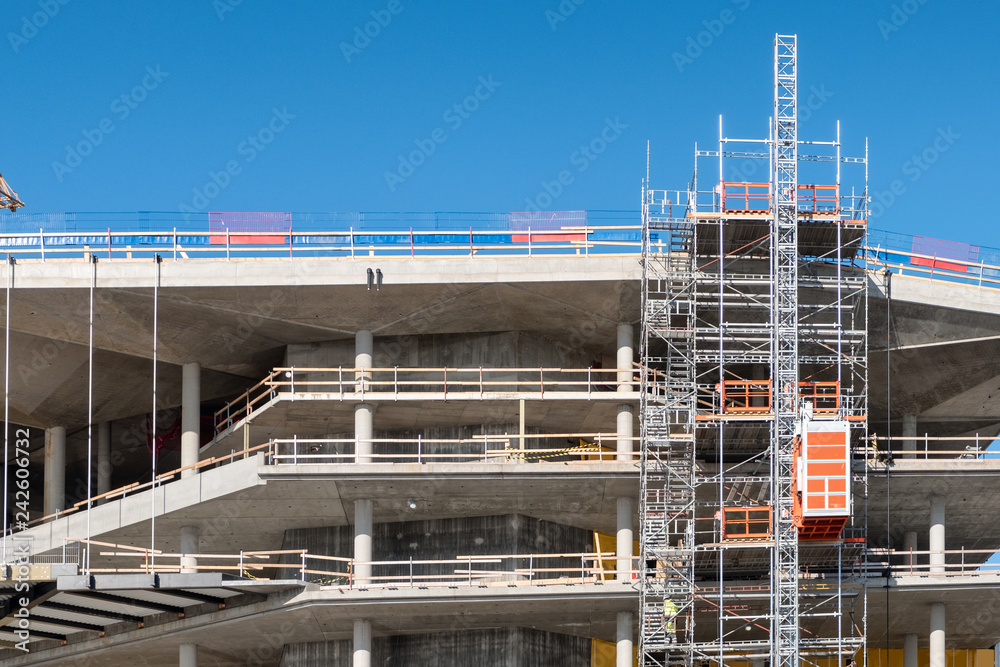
{"x":235,"y":318}
{"x":250,"y":506}
{"x":971,"y":604}
{"x":943,"y":364}
{"x":969,"y":487}
{"x":283,"y":417}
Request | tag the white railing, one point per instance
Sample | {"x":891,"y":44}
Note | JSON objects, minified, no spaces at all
{"x":485,"y":448}
{"x":928,"y":447}
{"x":514,"y":448}
{"x":338,"y":571}
{"x":933,"y":267}
{"x":225,"y":244}
{"x":474,"y":384}
{"x":916,"y":563}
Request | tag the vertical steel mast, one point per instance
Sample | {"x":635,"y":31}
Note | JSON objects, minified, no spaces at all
{"x":784,"y":354}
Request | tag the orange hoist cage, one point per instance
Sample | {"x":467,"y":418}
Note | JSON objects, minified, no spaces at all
{"x":821,"y":484}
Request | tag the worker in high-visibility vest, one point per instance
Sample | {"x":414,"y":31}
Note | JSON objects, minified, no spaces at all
{"x":670,"y":621}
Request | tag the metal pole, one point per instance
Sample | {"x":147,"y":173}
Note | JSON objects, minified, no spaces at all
{"x":152,"y":492}
{"x":6,"y":404}
{"x":90,"y":395}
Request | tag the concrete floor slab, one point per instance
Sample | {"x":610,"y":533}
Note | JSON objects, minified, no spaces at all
{"x":972,"y":610}
{"x":252,"y":504}
{"x":969,"y":487}
{"x":236,"y":636}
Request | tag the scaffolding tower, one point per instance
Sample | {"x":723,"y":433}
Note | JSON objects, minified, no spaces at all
{"x":784,"y":320}
{"x":754,"y":357}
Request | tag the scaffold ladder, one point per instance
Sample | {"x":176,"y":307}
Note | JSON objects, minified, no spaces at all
{"x":668,"y":403}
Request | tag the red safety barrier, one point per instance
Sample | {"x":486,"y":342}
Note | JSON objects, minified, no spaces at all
{"x":249,"y":228}
{"x":746,"y":197}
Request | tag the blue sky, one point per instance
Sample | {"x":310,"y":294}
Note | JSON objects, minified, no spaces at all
{"x":281,"y":106}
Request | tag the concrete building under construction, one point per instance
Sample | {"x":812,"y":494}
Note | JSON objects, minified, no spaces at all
{"x":731,"y":429}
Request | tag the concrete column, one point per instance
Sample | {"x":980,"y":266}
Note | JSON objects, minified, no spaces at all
{"x":362,"y":541}
{"x":626,"y":355}
{"x":936,"y":546}
{"x":362,"y":643}
{"x":624,"y":538}
{"x":910,"y":650}
{"x":623,"y":650}
{"x":103,"y":457}
{"x":363,"y":419}
{"x":188,"y":655}
{"x":910,"y":544}
{"x":625,"y":432}
{"x":55,"y":470}
{"x":190,"y":536}
{"x":364,"y":427}
{"x":190,"y":417}
{"x":364,"y":344}
{"x":910,"y":433}
{"x":937,"y":634}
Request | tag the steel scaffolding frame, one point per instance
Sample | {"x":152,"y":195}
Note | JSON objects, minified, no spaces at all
{"x":784,"y":353}
{"x":750,"y":312}
{"x":667,"y":408}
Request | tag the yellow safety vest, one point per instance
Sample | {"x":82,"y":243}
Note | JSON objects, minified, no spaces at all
{"x":669,"y":613}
